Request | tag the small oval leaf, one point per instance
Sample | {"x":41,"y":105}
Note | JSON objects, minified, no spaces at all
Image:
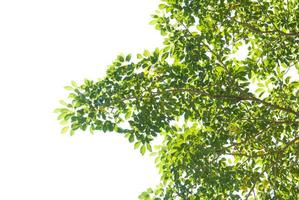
{"x":143,"y":149}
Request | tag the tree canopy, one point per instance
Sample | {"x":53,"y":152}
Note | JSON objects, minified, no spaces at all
{"x":229,"y":124}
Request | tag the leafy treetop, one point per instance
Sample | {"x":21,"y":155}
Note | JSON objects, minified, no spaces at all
{"x":229,"y":125}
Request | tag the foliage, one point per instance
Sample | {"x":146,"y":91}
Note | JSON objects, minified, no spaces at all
{"x":229,"y":124}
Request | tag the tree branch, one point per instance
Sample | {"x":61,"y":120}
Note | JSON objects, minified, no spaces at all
{"x":257,"y":30}
{"x":235,"y":98}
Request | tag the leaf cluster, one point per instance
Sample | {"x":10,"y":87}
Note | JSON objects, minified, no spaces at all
{"x":229,"y":125}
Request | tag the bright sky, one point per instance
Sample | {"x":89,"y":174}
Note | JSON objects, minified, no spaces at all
{"x":44,"y":44}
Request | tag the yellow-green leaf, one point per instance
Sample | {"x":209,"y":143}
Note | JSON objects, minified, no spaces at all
{"x":64,"y":129}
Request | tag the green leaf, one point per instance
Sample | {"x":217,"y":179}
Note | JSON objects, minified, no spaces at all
{"x":137,"y":145}
{"x":131,"y":138}
{"x":128,"y":114}
{"x":91,"y":130}
{"x":72,"y":133}
{"x":143,"y":149}
{"x":63,"y":122}
{"x":120,"y":58}
{"x":139,"y":56}
{"x":153,"y":22}
{"x":259,"y":90}
{"x":146,"y":53}
{"x":162,"y":6}
{"x":62,"y":102}
{"x":64,"y":129}
{"x":74,"y":84}
{"x":128,"y":58}
{"x":295,"y":84}
{"x":149,"y":147}
{"x":57,"y":110}
{"x":68,"y":88}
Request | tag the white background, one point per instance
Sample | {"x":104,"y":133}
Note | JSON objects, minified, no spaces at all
{"x":44,"y":44}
